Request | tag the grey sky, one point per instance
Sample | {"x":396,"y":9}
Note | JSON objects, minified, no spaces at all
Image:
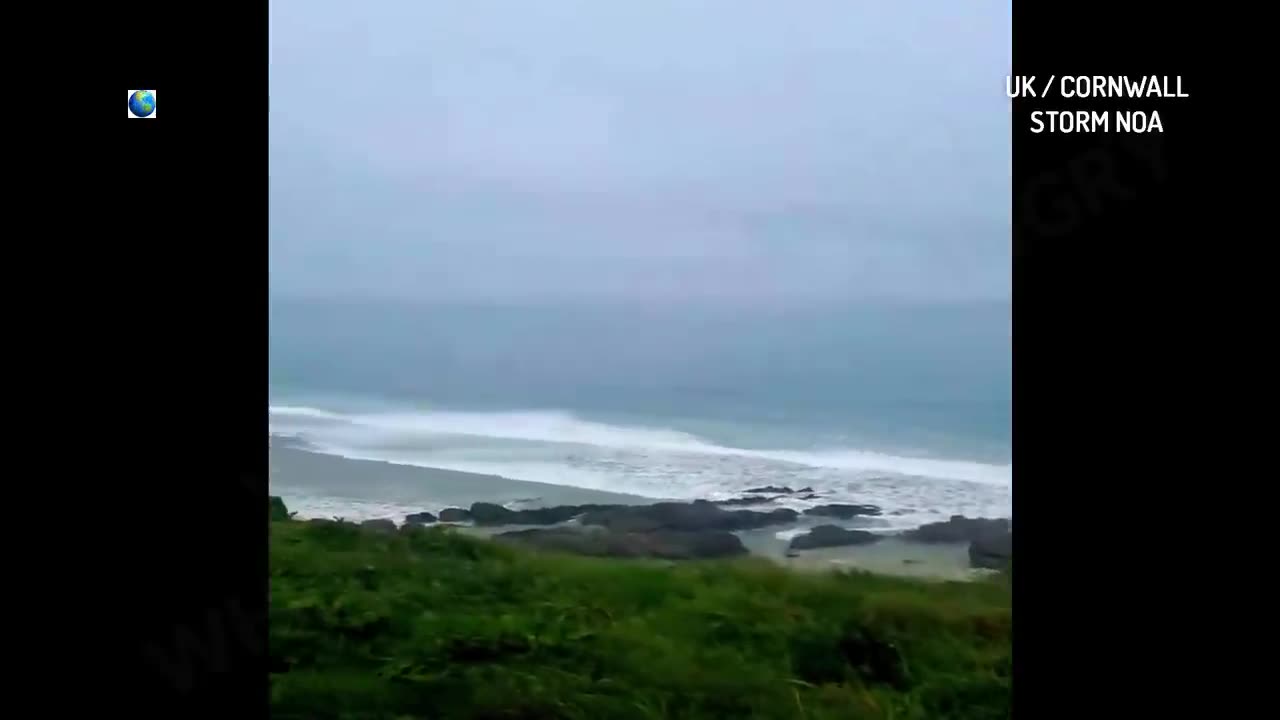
{"x":741,"y":149}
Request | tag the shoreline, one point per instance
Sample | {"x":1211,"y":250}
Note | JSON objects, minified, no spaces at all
{"x":321,"y":486}
{"x":319,"y":482}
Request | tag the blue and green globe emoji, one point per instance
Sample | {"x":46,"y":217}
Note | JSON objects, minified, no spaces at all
{"x":142,"y":103}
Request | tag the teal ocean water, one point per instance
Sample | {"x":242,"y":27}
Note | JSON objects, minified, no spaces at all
{"x":907,"y":407}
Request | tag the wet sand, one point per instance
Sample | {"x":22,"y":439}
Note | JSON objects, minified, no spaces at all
{"x":326,"y":486}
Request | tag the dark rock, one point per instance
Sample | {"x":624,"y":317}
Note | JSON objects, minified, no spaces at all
{"x":558,"y":514}
{"x":278,"y":509}
{"x":484,"y":513}
{"x":334,"y":527}
{"x":958,"y":529}
{"x":832,"y":536}
{"x":810,"y":496}
{"x":672,"y":545}
{"x":805,"y":490}
{"x":991,"y":551}
{"x":545,"y":516}
{"x":455,"y":515}
{"x":746,"y":500}
{"x":381,"y":525}
{"x":844,"y":512}
{"x":695,"y":516}
{"x":419,"y":518}
{"x":491,"y":514}
{"x":769,"y":489}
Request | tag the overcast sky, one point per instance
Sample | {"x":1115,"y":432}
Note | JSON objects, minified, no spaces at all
{"x":748,"y":150}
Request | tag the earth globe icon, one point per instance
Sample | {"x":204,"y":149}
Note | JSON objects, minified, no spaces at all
{"x":142,"y":103}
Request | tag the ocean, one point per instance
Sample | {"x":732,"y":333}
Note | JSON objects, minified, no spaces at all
{"x":903,"y":406}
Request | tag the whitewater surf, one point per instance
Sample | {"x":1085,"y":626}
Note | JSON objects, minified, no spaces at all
{"x":561,"y":448}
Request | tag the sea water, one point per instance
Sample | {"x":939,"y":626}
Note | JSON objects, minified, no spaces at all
{"x":903,"y":406}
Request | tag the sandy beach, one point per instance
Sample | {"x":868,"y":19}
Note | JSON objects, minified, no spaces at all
{"x":325,"y":486}
{"x":316,"y":485}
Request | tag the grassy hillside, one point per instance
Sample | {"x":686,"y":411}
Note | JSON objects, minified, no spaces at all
{"x":430,"y":624}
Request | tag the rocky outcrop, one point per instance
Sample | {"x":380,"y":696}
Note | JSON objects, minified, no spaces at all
{"x":491,"y":514}
{"x":454,"y":515}
{"x":772,"y":490}
{"x":696,"y":516}
{"x":381,"y":525}
{"x":747,"y":500}
{"x":994,"y":552}
{"x":483,"y":513}
{"x":832,"y":536}
{"x":844,"y":512}
{"x":668,"y":544}
{"x":278,"y":511}
{"x":419,"y":518}
{"x":775,"y":490}
{"x":958,"y":529}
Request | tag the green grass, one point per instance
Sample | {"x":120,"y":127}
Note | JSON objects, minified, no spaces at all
{"x":432,"y":624}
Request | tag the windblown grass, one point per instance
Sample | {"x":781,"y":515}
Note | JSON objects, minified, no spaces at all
{"x":431,"y":624}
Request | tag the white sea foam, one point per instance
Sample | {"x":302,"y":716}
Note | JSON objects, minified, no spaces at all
{"x":789,"y":533}
{"x":559,"y":448}
{"x":288,"y":411}
{"x":564,"y":428}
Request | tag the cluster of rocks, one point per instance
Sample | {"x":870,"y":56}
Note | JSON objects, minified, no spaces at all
{"x":706,"y":529}
{"x":778,"y":490}
{"x":769,"y":493}
{"x":990,"y":539}
{"x":697,"y":515}
{"x":698,"y":529}
{"x":959,"y":529}
{"x":747,"y":500}
{"x":844,"y":512}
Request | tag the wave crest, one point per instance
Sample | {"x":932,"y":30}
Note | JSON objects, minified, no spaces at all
{"x":562,"y":427}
